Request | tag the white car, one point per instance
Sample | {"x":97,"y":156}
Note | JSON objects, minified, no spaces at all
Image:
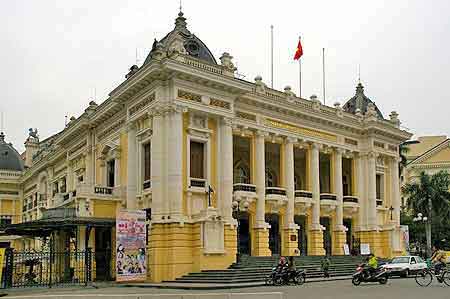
{"x":405,"y":265}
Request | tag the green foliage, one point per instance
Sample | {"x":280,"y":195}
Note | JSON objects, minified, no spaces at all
{"x":429,"y":191}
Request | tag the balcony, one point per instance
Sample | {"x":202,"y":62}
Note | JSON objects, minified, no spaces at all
{"x":275,"y":194}
{"x":244,"y":188}
{"x":303,"y":194}
{"x":147,"y":185}
{"x":350,"y":199}
{"x":327,"y":196}
{"x":103,"y":190}
{"x":351,"y":204}
{"x":197,"y":183}
{"x":328,"y":202}
{"x":303,"y":200}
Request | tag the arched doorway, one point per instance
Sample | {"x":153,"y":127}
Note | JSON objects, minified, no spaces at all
{"x":348,"y":224}
{"x":274,"y":233}
{"x":302,"y":236}
{"x":327,"y":242}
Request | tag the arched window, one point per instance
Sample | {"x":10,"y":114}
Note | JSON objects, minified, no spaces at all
{"x":271,"y":178}
{"x":241,"y":173}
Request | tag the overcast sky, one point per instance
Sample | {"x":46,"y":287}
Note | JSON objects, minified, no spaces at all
{"x":55,"y":56}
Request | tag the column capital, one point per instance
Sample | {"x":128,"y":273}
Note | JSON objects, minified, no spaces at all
{"x":131,"y":126}
{"x":260,"y":133}
{"x":373,"y":155}
{"x":316,"y":146}
{"x":339,"y":150}
{"x":227,"y":121}
{"x":290,"y":139}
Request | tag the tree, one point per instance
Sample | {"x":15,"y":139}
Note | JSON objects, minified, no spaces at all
{"x":431,"y":197}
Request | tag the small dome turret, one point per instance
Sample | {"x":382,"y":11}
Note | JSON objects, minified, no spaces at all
{"x":359,"y":102}
{"x":10,"y":159}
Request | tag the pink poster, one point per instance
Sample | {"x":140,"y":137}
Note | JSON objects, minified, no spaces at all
{"x":131,"y":261}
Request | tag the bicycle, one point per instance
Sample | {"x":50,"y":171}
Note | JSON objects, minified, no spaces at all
{"x":425,"y":277}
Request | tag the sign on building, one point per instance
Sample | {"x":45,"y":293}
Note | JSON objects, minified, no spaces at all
{"x":365,"y":249}
{"x":131,"y":261}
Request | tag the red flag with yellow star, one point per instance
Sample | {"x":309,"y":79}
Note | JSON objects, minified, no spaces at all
{"x":299,"y":51}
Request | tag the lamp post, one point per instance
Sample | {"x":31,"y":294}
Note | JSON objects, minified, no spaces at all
{"x":237,"y":209}
{"x":427,"y":222}
{"x":391,"y":209}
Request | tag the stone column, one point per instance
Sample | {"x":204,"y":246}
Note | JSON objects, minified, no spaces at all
{"x":395,"y":191}
{"x":290,"y":246}
{"x":226,"y":170}
{"x":175,"y":163}
{"x":316,"y":234}
{"x":359,"y":175}
{"x":261,"y":233}
{"x":157,"y":163}
{"x":339,"y":229}
{"x":89,"y":173}
{"x":131,"y":167}
{"x":372,"y":188}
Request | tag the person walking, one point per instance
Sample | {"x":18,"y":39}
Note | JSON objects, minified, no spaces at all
{"x":325,"y":265}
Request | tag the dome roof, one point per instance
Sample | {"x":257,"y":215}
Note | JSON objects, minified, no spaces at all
{"x":192,"y":44}
{"x":360,"y":102}
{"x":9,"y":158}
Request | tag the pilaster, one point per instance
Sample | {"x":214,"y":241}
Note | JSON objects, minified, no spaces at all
{"x":131,"y":166}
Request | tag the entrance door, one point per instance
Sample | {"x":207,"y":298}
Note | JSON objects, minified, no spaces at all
{"x":274,"y":233}
{"x":103,"y":253}
{"x":244,"y":234}
{"x":325,"y":221}
{"x":348,"y":224}
{"x":302,"y":236}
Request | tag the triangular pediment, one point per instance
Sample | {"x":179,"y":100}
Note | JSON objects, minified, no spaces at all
{"x":438,"y":154}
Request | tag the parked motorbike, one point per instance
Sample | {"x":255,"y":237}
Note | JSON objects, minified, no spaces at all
{"x":285,"y":277}
{"x":363,"y":275}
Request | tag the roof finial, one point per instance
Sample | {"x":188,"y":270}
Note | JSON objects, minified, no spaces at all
{"x":359,"y":73}
{"x":2,"y":137}
{"x":181,"y":7}
{"x":180,"y":21}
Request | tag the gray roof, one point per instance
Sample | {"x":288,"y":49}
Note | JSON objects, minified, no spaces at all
{"x":193,"y":45}
{"x":360,"y":101}
{"x":10,"y":159}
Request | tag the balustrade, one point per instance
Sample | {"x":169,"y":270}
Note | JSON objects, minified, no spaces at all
{"x":244,"y":187}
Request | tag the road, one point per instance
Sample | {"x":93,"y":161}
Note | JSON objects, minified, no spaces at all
{"x":396,"y":288}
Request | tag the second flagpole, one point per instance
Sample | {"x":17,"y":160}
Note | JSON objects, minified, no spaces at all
{"x":299,"y":75}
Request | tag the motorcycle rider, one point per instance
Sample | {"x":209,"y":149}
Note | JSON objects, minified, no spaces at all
{"x":439,"y":260}
{"x":282,"y":265}
{"x":373,"y":264}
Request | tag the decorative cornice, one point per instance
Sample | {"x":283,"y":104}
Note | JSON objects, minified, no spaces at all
{"x":299,"y":130}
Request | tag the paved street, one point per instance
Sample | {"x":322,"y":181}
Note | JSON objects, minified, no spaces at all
{"x":396,"y":288}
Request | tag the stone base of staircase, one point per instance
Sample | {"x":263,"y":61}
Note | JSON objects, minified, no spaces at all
{"x":252,"y":271}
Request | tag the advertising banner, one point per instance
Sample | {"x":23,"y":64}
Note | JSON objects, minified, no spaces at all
{"x":404,"y":231}
{"x":131,"y":258}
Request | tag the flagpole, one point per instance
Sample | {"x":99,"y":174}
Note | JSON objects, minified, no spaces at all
{"x":299,"y":75}
{"x":271,"y":56}
{"x":323,"y":74}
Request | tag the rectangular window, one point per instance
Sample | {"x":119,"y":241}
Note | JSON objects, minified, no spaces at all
{"x":55,"y":188}
{"x":63,"y":185}
{"x":147,"y":162}
{"x":110,"y":172}
{"x":197,"y":160}
{"x":380,"y":186}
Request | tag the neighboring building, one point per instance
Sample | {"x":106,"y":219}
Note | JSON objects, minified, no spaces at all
{"x":430,"y":155}
{"x":11,"y":168}
{"x":314,"y":177}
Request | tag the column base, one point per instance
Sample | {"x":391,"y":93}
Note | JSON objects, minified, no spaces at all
{"x":315,"y":246}
{"x":260,"y":246}
{"x":339,"y":239}
{"x":290,"y":244}
{"x":374,"y":239}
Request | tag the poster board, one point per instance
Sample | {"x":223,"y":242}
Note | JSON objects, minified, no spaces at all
{"x":131,"y":241}
{"x":346,"y":249}
{"x":365,"y":249}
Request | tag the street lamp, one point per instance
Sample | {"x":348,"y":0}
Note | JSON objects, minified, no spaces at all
{"x":237,"y":209}
{"x":427,"y":222}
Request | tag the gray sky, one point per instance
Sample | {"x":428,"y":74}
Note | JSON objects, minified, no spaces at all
{"x":54,"y":54}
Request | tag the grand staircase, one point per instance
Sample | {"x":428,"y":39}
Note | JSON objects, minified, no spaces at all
{"x":253,"y":270}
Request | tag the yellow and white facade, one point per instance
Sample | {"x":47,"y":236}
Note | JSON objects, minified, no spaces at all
{"x":183,"y":137}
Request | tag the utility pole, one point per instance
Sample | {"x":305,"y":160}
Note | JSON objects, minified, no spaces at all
{"x":428,"y":226}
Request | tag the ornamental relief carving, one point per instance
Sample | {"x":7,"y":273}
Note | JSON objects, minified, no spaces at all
{"x":142,"y":104}
{"x":110,"y":130}
{"x":300,"y":130}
